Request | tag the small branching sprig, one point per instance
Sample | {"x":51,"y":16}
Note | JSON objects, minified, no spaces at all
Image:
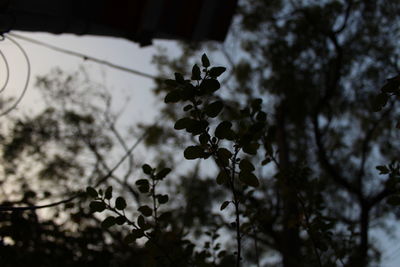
{"x":148,"y":187}
{"x":212,"y":248}
{"x":391,"y":88}
{"x":392,"y":184}
{"x":148,"y":222}
{"x":242,"y":135}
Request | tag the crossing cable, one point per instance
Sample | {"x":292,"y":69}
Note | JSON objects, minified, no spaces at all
{"x":28,"y":76}
{"x":84,"y":56}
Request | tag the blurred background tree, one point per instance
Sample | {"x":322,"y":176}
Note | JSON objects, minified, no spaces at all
{"x":316,"y":65}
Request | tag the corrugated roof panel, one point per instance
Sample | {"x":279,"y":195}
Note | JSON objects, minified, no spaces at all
{"x":137,"y":20}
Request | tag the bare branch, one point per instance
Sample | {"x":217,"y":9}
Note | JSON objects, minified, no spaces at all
{"x":367,"y":141}
{"x":346,"y":17}
{"x":327,"y":165}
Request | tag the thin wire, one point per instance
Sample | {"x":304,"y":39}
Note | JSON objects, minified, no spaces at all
{"x":84,"y":57}
{"x":10,"y":208}
{"x":28,"y":76}
{"x":7,"y":71}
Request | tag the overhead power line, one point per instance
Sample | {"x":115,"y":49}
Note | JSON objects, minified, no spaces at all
{"x":11,"y":208}
{"x":84,"y":56}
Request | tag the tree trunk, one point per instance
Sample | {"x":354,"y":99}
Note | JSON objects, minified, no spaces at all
{"x":364,"y":224}
{"x":290,"y":240}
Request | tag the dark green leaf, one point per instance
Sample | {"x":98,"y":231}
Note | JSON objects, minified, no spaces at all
{"x":195,"y":113}
{"x":188,"y":92}
{"x":193,"y":152}
{"x":196,"y":73}
{"x":213,"y":109}
{"x":382,"y":169}
{"x":144,"y":188}
{"x":248,"y":178}
{"x":138,"y":233}
{"x":145,"y":210}
{"x":91,"y":192}
{"x":120,"y":203}
{"x":108,"y":193}
{"x":179,"y":77}
{"x":224,"y":155}
{"x":196,"y":127}
{"x":108,"y":222}
{"x":147,"y":169}
{"x":130,"y":238}
{"x":182,"y":123}
{"x":203,"y":138}
{"x":204,"y":61}
{"x":230,"y":135}
{"x":142,"y":223}
{"x":391,"y":86}
{"x":266,"y":161}
{"x":171,"y":83}
{"x":135,"y":234}
{"x":222,"y":178}
{"x":224,"y":205}
{"x":161,"y":174}
{"x":216,"y":71}
{"x":379,"y":101}
{"x":120,"y":220}
{"x":142,"y":182}
{"x":246,"y":165}
{"x":162,"y":199}
{"x":251,"y":148}
{"x":223,"y":129}
{"x":209,"y":86}
{"x":173,"y":96}
{"x":268,"y":147}
{"x":187,"y":107}
{"x":97,"y":206}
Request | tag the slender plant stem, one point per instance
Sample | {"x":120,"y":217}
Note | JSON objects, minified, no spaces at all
{"x":231,"y":180}
{"x":256,"y":247}
{"x":237,"y":211}
{"x":150,"y":238}
{"x":153,"y":195}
